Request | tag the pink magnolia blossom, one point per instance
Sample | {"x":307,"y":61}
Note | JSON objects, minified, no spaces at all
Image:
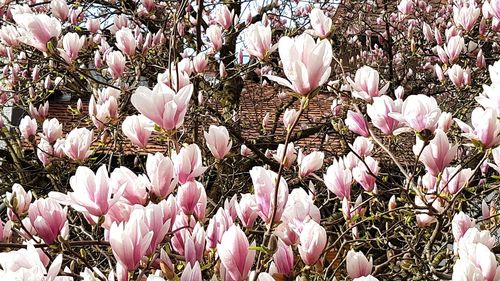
{"x":161,"y":173}
{"x":41,"y":113}
{"x":162,"y":105}
{"x":450,"y":32}
{"x":310,"y":163}
{"x":52,"y":130}
{"x":265,"y":120}
{"x":320,"y":23}
{"x":93,"y":25}
{"x":234,"y":253}
{"x":486,"y":131}
{"x":406,"y":6}
{"x":119,"y":22}
{"x":200,"y":62}
{"x":465,"y":270}
{"x":217,"y":226}
{"x":175,"y":79}
{"x":191,"y":273}
{"x":350,"y":211}
{"x":28,"y":127}
{"x":218,"y":141}
{"x":475,"y":236}
{"x":306,"y":63}
{"x":116,"y":63}
{"x":201,"y":206}
{"x":338,"y":179}
{"x":149,"y":5}
{"x":214,"y":34}
{"x":185,"y":65}
{"x":346,"y":209}
{"x":313,"y":241}
{"x":125,"y":41}
{"x":445,"y":121}
{"x":188,"y":195}
{"x":130,"y":240}
{"x":224,"y":17}
{"x":443,"y":57}
{"x":458,"y":76}
{"x":286,"y":158}
{"x":379,"y":113}
{"x":357,"y":123}
{"x":77,"y":144}
{"x":263,"y":182}
{"x":156,"y":222}
{"x":170,"y":209}
{"x":188,"y":163}
{"x":27,"y":264}
{"x":247,"y":210}
{"x":104,"y":111}
{"x":364,"y":175}
{"x":222,"y":70}
{"x":72,"y":44}
{"x":258,"y":41}
{"x":423,"y":218}
{"x":490,"y":97}
{"x":460,"y":224}
{"x":299,"y":210}
{"x":496,"y":159}
{"x":192,"y":243}
{"x":454,"y":179}
{"x":439,"y":72}
{"x":97,"y":59}
{"x":483,"y":261}
{"x":362,"y":146}
{"x":290,"y":117}
{"x":19,"y":201}
{"x":91,"y":192}
{"x":283,"y":259}
{"x":9,"y":36}
{"x":495,"y":8}
{"x":135,"y":187}
{"x":358,"y":265}
{"x":285,"y":232}
{"x":37,"y":29}
{"x":466,"y":16}
{"x":454,"y":47}
{"x":48,"y":219}
{"x":76,"y":15}
{"x":59,"y":9}
{"x":426,"y":29}
{"x":230,"y":206}
{"x":138,"y":129}
{"x":419,"y":112}
{"x":245,"y":151}
{"x":366,"y":84}
{"x":438,"y":154}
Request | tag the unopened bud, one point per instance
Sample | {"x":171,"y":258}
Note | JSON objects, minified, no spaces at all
{"x":392,"y":203}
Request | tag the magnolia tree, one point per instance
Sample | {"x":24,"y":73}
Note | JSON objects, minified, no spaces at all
{"x":156,"y":177}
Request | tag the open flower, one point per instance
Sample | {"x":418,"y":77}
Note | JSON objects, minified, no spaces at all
{"x":306,"y":63}
{"x":486,"y":131}
{"x":162,"y":105}
{"x":37,"y":29}
{"x":366,"y":84}
{"x":258,"y":40}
